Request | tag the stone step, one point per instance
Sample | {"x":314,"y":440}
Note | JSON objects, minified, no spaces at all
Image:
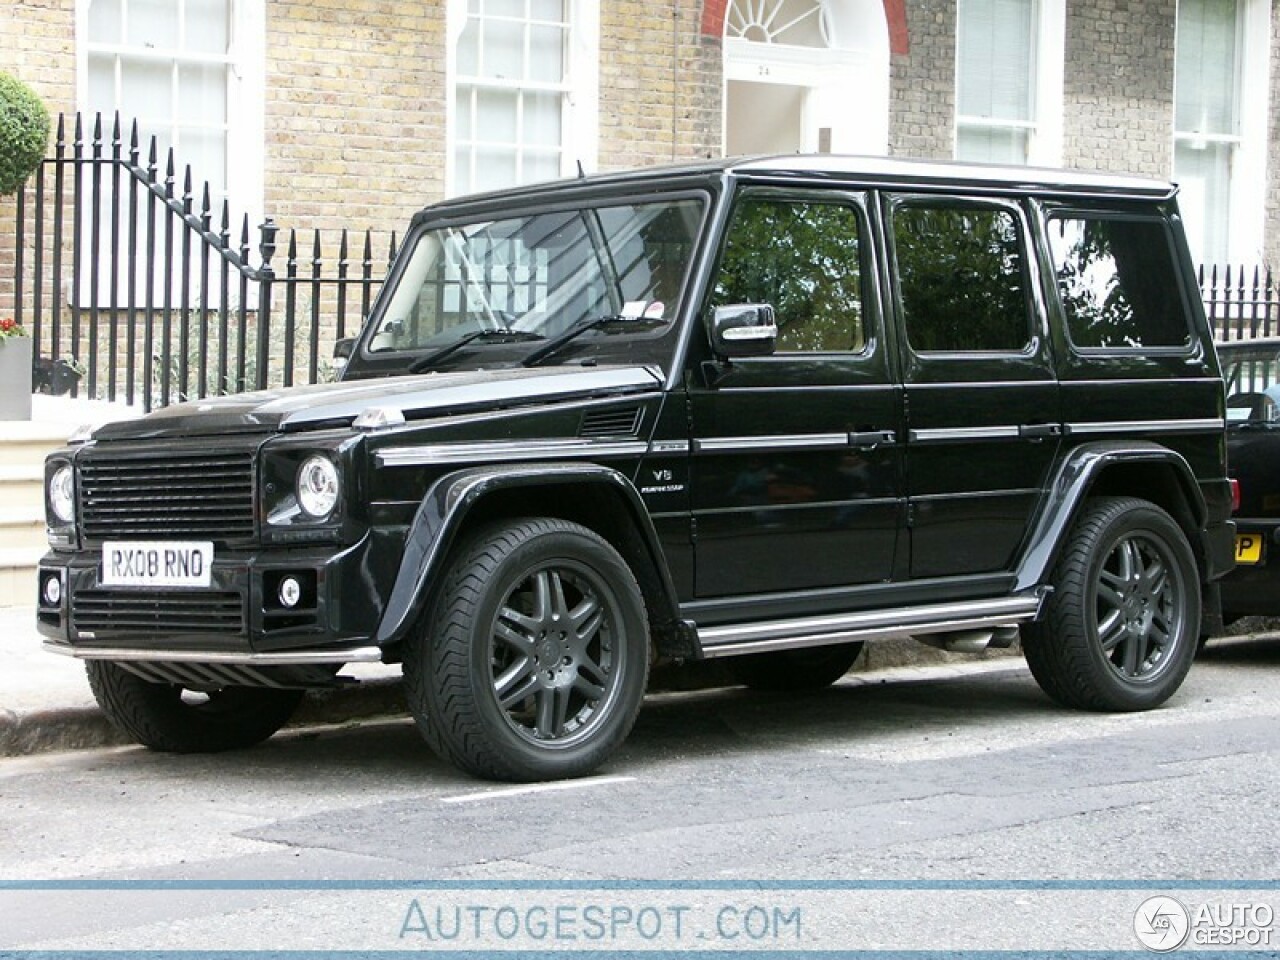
{"x":22,"y":484}
{"x":23,"y":443}
{"x":18,"y":576}
{"x":21,"y":526}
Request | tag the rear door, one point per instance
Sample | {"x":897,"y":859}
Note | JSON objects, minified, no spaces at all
{"x":982,"y":412}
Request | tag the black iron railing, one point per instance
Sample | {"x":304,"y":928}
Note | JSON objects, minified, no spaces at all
{"x":1242,"y":303}
{"x":129,"y":281}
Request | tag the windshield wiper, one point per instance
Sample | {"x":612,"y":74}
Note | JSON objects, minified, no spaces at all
{"x":497,"y":335}
{"x":541,"y":352}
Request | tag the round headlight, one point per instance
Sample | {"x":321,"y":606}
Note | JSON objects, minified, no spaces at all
{"x":62,"y":494}
{"x":317,"y":487}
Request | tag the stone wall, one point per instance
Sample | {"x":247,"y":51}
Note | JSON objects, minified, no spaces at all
{"x":1119,"y":86}
{"x":922,"y":83}
{"x":355,"y":111}
{"x":659,"y":84}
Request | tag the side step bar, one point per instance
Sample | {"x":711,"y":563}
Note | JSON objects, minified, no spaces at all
{"x":736,"y":639}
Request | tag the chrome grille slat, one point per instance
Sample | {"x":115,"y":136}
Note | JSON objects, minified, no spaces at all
{"x":167,"y":494}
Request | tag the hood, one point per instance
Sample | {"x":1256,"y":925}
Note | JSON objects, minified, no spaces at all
{"x":418,"y":397}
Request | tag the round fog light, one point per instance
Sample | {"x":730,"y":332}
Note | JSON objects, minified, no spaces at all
{"x":52,"y":591}
{"x":290,"y":592}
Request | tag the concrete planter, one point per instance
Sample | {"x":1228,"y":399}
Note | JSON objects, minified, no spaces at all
{"x":15,"y":378}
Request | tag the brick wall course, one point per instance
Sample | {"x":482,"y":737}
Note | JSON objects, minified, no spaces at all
{"x":1118,"y":89}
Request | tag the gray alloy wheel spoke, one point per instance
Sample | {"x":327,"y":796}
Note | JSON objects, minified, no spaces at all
{"x":1134,"y":654}
{"x":542,"y":603}
{"x":587,"y":616}
{"x":553,"y":710}
{"x":591,"y":671}
{"x":559,"y":605}
{"x":516,"y":683}
{"x":520,"y":642}
{"x":1108,"y":594}
{"x":592,"y":691}
{"x":1111,"y":630}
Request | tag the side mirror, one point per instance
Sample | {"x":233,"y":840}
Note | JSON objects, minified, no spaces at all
{"x":342,"y":349}
{"x":744,"y":330}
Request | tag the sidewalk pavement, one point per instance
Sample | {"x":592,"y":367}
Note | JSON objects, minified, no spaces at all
{"x":46,"y":704}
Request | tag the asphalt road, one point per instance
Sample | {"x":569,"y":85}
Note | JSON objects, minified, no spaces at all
{"x":946,"y":775}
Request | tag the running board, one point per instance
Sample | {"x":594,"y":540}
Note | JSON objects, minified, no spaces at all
{"x":741,"y":638}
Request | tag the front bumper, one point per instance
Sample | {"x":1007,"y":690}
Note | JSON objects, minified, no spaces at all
{"x":237,"y":621}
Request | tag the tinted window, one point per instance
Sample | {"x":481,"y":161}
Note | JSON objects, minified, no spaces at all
{"x":803,"y":259}
{"x":1118,"y":283}
{"x":961,"y":278}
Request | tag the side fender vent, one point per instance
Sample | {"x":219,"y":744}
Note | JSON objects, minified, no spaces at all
{"x":612,"y":422}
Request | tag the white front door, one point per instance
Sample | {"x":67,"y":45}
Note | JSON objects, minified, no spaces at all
{"x":820,"y":86}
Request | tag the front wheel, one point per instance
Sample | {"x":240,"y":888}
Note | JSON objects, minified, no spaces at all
{"x":534,"y":663}
{"x":173,"y":719}
{"x":1121,"y":625}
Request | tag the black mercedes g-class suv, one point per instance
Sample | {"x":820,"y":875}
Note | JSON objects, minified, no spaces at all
{"x":764,"y":409}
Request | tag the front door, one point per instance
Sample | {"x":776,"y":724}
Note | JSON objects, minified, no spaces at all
{"x":796,"y":467}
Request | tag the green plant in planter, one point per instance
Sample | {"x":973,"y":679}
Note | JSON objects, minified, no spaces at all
{"x":24,"y":132}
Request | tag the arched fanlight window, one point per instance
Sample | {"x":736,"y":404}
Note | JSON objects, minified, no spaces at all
{"x":799,"y":23}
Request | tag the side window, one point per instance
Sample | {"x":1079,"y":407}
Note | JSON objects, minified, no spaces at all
{"x":961,"y":278}
{"x":801,"y":257}
{"x":1118,"y":283}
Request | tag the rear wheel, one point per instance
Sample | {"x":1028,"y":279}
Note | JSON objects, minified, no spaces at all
{"x":173,"y":719}
{"x":1123,"y":621}
{"x":534,"y":664}
{"x":792,"y":670}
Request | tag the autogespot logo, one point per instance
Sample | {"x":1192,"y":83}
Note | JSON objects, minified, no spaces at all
{"x":1162,"y":924}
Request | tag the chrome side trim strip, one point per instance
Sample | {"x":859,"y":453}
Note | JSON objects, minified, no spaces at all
{"x":735,"y":639}
{"x":283,"y":658}
{"x":507,"y":450}
{"x":1106,"y":427}
{"x":783,"y":441}
{"x":954,"y":434}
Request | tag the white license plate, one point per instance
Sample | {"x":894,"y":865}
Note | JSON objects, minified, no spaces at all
{"x":157,"y":563}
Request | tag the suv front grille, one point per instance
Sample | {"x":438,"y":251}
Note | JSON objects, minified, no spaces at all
{"x":197,"y":495}
{"x":115,"y":611}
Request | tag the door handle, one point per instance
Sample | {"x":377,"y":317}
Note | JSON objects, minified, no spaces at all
{"x":1039,"y":431}
{"x":866,"y":439}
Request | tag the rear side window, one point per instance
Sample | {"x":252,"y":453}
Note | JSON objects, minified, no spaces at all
{"x":961,"y":278}
{"x":1118,"y":283}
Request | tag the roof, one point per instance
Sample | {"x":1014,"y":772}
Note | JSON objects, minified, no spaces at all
{"x":865,"y":170}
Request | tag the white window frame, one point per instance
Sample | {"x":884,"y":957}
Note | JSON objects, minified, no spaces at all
{"x":1247,"y":188}
{"x":580,"y":128}
{"x":246,"y":114}
{"x":1048,"y":54}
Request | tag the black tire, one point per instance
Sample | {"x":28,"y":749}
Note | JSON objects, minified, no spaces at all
{"x":1121,"y":626}
{"x":171,"y":719}
{"x":794,"y":670}
{"x":496,"y":683}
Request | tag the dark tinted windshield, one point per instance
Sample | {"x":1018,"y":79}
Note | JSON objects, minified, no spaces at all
{"x":541,"y":273}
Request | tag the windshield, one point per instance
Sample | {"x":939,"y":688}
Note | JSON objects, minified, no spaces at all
{"x":541,"y":274}
{"x":1253,"y":382}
